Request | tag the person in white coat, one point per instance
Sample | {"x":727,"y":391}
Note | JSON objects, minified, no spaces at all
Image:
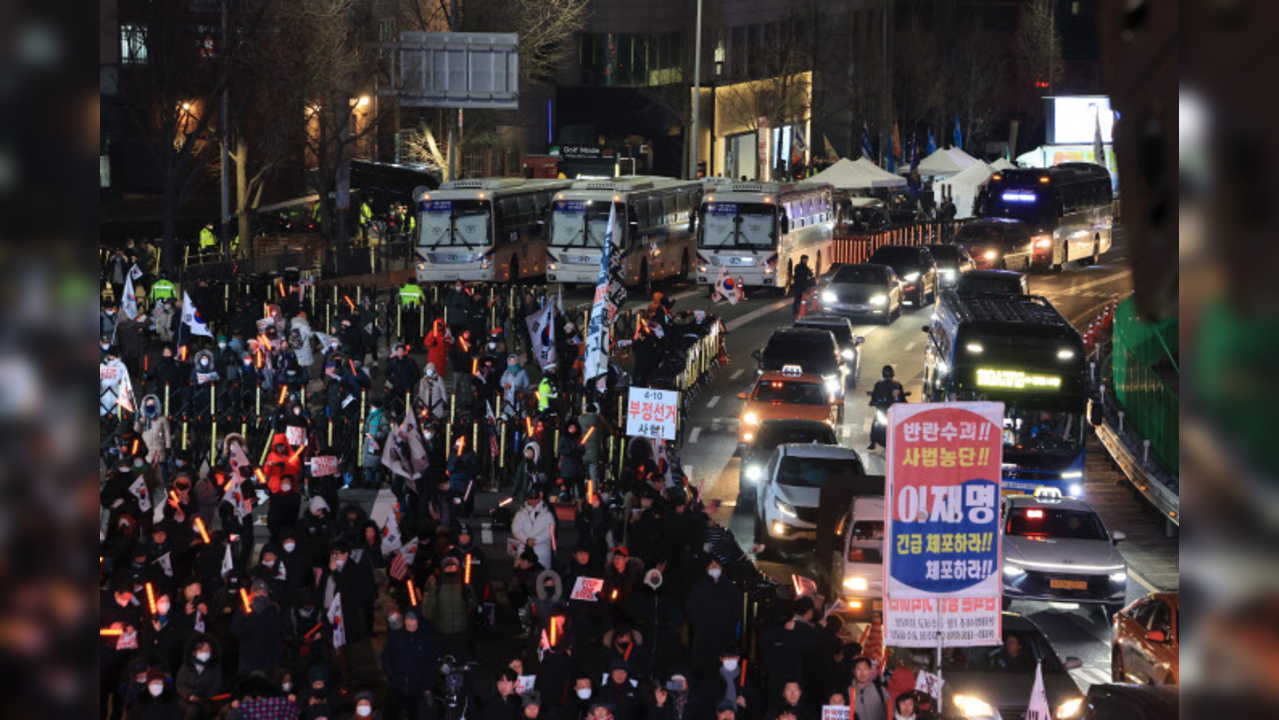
{"x":431,"y":391}
{"x":300,"y":335}
{"x":534,"y":527}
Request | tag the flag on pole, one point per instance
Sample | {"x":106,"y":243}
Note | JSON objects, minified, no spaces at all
{"x":866,"y":151}
{"x":1098,"y":148}
{"x":1038,"y":708}
{"x":335,"y":619}
{"x":139,"y":490}
{"x":234,"y":495}
{"x":191,"y":317}
{"x":897,"y":140}
{"x":403,"y":560}
{"x":130,"y":300}
{"x":890,"y":158}
{"x":541,"y":330}
{"x":404,"y":453}
{"x":391,"y":540}
{"x":601,"y":320}
{"x":932,"y":144}
{"x":239,"y":462}
{"x":959,"y":136}
{"x":830,"y":149}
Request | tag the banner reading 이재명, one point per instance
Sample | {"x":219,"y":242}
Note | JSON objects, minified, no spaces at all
{"x":942,"y":562}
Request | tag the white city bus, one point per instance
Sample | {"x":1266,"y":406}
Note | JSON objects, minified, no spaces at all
{"x":487,"y":230}
{"x":759,"y":231}
{"x":655,"y":216}
{"x":1068,"y":209}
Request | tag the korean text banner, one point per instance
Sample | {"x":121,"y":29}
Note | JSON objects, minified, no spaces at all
{"x":942,"y":564}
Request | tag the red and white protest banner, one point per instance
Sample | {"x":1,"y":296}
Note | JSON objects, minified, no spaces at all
{"x":942,"y":563}
{"x":586,"y":589}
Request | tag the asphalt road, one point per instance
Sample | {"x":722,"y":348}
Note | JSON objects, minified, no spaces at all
{"x":711,"y":439}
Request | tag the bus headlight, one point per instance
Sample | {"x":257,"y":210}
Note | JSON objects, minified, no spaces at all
{"x":421,"y":266}
{"x":769,"y":269}
{"x":829,"y":297}
{"x":552,"y":266}
{"x":973,"y":707}
{"x":910,"y":277}
{"x":879,"y":300}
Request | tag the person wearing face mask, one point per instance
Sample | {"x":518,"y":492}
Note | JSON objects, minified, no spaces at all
{"x":432,"y":393}
{"x":447,"y":602}
{"x":377,"y":426}
{"x":201,"y":382}
{"x":281,"y":461}
{"x":578,"y":704}
{"x":164,"y":638}
{"x":364,"y":707}
{"x":410,"y":661}
{"x":354,"y":582}
{"x":199,"y":678}
{"x":527,"y":477}
{"x":572,"y":471}
{"x":284,"y":506}
{"x":160,"y":702}
{"x":459,"y":306}
{"x":534,"y":525}
{"x":402,"y":372}
{"x":259,"y":632}
{"x":226,"y":360}
{"x":169,"y":374}
{"x":726,"y":685}
{"x":714,"y":610}
{"x":153,"y":426}
{"x":116,"y":611}
{"x":438,"y":344}
{"x":515,"y":384}
{"x":108,"y":318}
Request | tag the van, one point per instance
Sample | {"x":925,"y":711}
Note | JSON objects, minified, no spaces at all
{"x":857,"y":569}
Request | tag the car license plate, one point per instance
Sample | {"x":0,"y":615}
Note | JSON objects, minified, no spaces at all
{"x":1059,"y":584}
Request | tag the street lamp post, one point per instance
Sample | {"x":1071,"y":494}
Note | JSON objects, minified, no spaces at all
{"x":697,"y":90}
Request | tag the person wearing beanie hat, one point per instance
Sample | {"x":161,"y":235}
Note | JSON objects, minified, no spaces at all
{"x":364,"y":707}
{"x":532,"y":703}
{"x":158,"y":700}
{"x":619,"y":692}
{"x":410,"y":661}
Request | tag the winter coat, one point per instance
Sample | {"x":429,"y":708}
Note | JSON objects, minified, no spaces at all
{"x":164,"y":323}
{"x":437,"y":348}
{"x":410,"y":660}
{"x":448,"y":606}
{"x":714,"y":611}
{"x":514,"y":386}
{"x":259,"y":635}
{"x":376,"y":428}
{"x":526,"y":473}
{"x":201,"y":681}
{"x":131,"y":339}
{"x":154,"y":431}
{"x":536,"y":524}
{"x":402,"y":375}
{"x":591,"y":448}
{"x":432,"y":393}
{"x":570,"y":453}
{"x":459,"y":307}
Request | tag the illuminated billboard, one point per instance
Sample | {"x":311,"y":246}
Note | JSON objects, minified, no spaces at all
{"x":1074,"y":119}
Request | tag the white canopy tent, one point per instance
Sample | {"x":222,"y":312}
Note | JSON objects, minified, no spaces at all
{"x":963,"y":188}
{"x":846,"y":174}
{"x":946,"y":162}
{"x":1002,"y":164}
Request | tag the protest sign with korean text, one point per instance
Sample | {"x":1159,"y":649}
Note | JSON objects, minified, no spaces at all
{"x":586,"y":589}
{"x":652,"y":413}
{"x":942,"y":563}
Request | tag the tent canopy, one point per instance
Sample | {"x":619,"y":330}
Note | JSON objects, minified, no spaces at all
{"x":1002,"y":164}
{"x":974,"y":175}
{"x":946,"y":162}
{"x":846,"y":174}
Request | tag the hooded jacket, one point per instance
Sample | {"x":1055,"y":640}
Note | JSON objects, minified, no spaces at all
{"x":526,"y":475}
{"x":202,"y":681}
{"x":536,"y":524}
{"x":431,"y":391}
{"x":437,"y":347}
{"x":300,"y":335}
{"x":411,"y":660}
{"x":154,"y":430}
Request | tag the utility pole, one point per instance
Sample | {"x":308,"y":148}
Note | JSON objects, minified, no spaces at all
{"x":224,"y":120}
{"x":449,"y":114}
{"x":697,"y":90}
{"x":888,"y":79}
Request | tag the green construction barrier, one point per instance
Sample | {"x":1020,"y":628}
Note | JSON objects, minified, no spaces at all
{"x":1147,"y":381}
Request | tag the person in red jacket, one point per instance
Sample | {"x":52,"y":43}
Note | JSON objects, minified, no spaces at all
{"x":281,"y":461}
{"x":438,"y":343}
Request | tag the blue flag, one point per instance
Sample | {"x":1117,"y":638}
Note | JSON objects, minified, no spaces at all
{"x":959,"y":136}
{"x":889,"y":161}
{"x":913,"y":178}
{"x":866,"y":151}
{"x":932,"y":144}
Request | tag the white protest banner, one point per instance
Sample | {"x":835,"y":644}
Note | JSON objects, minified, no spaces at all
{"x":942,"y":566}
{"x":652,"y":413}
{"x":586,"y":589}
{"x":295,"y":435}
{"x":324,"y":466}
{"x":525,"y":682}
{"x":835,"y":712}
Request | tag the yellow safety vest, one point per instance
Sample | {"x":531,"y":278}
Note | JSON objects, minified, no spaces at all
{"x":411,"y":295}
{"x":208,"y":239}
{"x":366,"y":214}
{"x":163,"y":290}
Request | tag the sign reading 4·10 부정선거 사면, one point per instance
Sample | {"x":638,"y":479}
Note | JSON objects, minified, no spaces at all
{"x":942,"y":565}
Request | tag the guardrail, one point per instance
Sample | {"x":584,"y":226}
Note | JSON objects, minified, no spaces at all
{"x":1148,"y":484}
{"x":851,"y":249}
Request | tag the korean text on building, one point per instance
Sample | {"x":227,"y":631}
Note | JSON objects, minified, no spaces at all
{"x":652,"y":413}
{"x":942,"y":504}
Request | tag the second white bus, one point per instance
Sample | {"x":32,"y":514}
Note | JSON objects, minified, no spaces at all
{"x":759,"y":232}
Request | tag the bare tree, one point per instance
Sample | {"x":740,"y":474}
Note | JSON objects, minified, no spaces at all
{"x":1039,"y":42}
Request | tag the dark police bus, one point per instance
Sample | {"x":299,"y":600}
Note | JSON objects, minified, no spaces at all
{"x":1068,"y":208}
{"x":1018,"y":350}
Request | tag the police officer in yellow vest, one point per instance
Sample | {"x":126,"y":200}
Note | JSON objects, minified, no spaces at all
{"x":208,"y":240}
{"x":411,"y":299}
{"x":366,"y":218}
{"x":163,"y":289}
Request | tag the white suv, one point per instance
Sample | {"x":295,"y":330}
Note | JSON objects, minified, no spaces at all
{"x":789,"y":492}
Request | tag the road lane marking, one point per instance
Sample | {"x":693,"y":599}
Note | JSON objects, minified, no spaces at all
{"x":1142,"y":581}
{"x":867,"y":424}
{"x":737,"y":374}
{"x":1090,"y":284}
{"x":756,"y":314}
{"x":688,"y":294}
{"x":911,"y":345}
{"x":713,"y":402}
{"x":697,"y":432}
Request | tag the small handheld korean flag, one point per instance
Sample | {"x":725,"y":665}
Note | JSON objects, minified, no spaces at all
{"x":228,"y":564}
{"x":391,"y":540}
{"x":129,"y":302}
{"x":166,"y":564}
{"x":191,"y":317}
{"x":139,"y":490}
{"x":335,"y":619}
{"x":1038,"y":708}
{"x":235,"y":497}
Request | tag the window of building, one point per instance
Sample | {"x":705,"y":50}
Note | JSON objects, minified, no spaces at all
{"x":630,"y":60}
{"x":133,"y":44}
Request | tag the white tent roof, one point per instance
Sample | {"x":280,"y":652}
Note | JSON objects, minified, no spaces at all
{"x":1003,"y":164}
{"x":846,"y":174}
{"x":974,"y":175}
{"x":946,"y":162}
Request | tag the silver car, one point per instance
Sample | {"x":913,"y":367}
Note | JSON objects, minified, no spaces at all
{"x":863,"y":290}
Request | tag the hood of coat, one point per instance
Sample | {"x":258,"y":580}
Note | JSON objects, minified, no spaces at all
{"x":537,"y":450}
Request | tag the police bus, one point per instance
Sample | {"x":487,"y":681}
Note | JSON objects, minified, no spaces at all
{"x":655,"y":217}
{"x":487,"y":230}
{"x":1018,"y":350}
{"x":759,"y":231}
{"x":1068,"y":208}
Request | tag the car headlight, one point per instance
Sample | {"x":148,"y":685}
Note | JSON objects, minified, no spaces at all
{"x":847,"y":354}
{"x":879,"y":300}
{"x":910,"y":277}
{"x":948,"y":273}
{"x":829,"y":297}
{"x":832,"y":385}
{"x":1076,"y":491}
{"x":1119,"y":577}
{"x":770,"y":269}
{"x":785,"y":508}
{"x":750,"y":418}
{"x":973,"y":707}
{"x":1070,"y":708}
{"x":701,"y":268}
{"x":991,"y":255}
{"x":856,"y":583}
{"x":1013,"y":571}
{"x":753,"y":473}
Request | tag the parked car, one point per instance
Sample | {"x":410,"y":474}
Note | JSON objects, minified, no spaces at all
{"x":863,"y":290}
{"x":850,"y":344}
{"x":916,"y":268}
{"x":998,"y":282}
{"x":997,"y":243}
{"x":952,"y":262}
{"x":1145,"y":646}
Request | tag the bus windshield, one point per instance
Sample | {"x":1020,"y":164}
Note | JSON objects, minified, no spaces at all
{"x":735,"y":225}
{"x":1041,"y":439}
{"x":582,"y":223}
{"x":1035,"y":206}
{"x":456,"y":223}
